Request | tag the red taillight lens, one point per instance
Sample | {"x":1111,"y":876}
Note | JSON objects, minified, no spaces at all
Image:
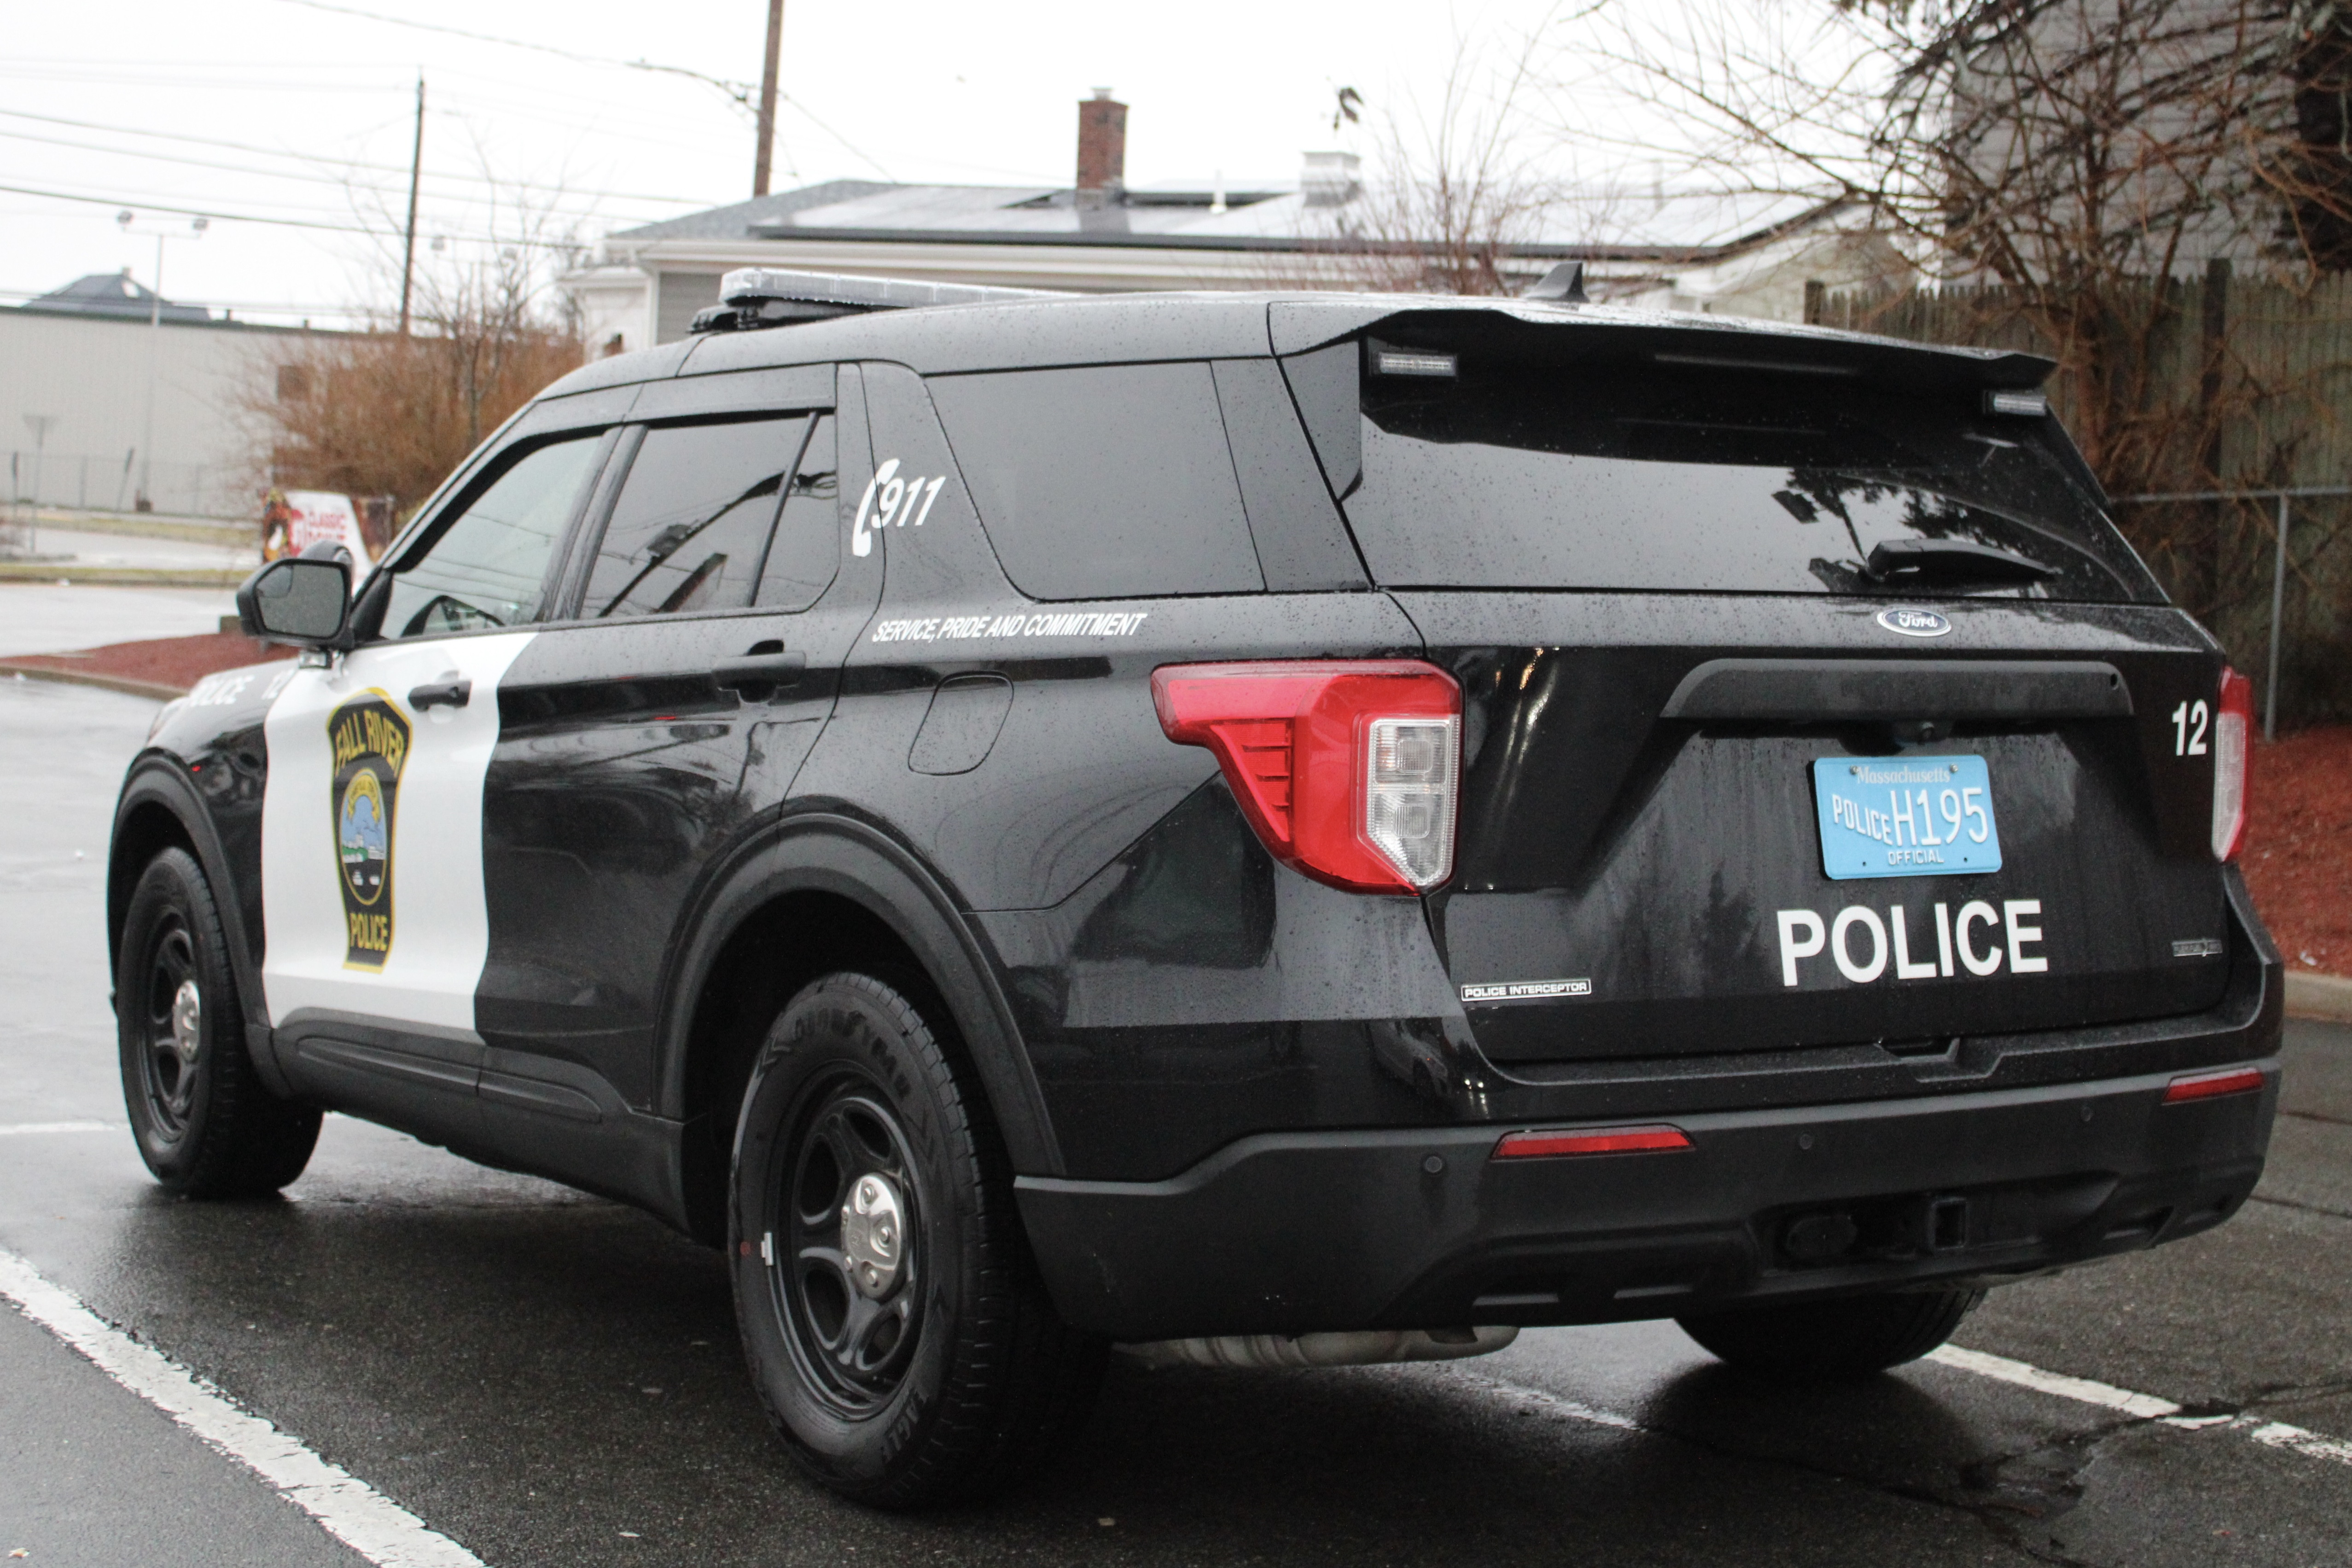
{"x":2233,"y":729}
{"x":1591,"y":1141}
{"x":1349,"y":770}
{"x":2207,"y":1085}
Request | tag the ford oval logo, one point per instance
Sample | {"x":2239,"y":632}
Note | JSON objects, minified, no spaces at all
{"x":1914,"y":623}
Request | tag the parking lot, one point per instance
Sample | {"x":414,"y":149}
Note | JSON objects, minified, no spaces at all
{"x":549,"y":1378}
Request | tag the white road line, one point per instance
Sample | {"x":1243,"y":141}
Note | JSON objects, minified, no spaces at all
{"x":2147,"y":1407}
{"x":2001,"y":1369}
{"x":350,"y":1509}
{"x":18,"y":1129}
{"x":1568,"y":1408}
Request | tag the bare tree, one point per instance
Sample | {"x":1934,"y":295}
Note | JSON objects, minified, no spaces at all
{"x":376,"y":413}
{"x":1454,"y":188}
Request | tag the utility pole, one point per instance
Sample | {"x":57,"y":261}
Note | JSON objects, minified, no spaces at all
{"x":768,"y":99}
{"x":144,"y":499}
{"x":415,"y":169}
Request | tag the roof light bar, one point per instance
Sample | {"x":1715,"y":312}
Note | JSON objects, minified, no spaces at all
{"x":2212,"y":1085}
{"x":1550,"y":1145}
{"x":754,"y":297}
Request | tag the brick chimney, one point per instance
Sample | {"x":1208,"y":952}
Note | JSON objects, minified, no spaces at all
{"x":1102,"y":150}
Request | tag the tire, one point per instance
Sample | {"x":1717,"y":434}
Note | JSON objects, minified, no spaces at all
{"x":206,"y":1123}
{"x":1841,"y":1340}
{"x":895,"y":1324}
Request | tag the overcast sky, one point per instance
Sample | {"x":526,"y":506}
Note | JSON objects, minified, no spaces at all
{"x":301,"y":110}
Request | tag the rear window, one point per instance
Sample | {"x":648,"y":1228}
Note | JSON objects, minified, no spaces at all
{"x":690,"y":529}
{"x":1631,"y":475}
{"x":1104,"y":481}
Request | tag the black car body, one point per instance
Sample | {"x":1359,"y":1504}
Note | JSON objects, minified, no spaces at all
{"x":625,"y":774}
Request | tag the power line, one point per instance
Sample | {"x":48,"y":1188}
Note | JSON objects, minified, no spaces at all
{"x":741,"y":93}
{"x":273,"y":152}
{"x":144,"y":205}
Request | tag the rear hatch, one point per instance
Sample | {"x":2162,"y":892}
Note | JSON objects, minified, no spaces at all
{"x":1810,"y":697}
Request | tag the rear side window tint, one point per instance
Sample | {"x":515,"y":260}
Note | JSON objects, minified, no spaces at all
{"x":1631,"y":476}
{"x":488,"y":567}
{"x":807,"y":547}
{"x":1104,"y":481}
{"x":691,"y":528}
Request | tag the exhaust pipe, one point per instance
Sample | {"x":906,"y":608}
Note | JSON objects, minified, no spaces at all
{"x":1362,"y":1347}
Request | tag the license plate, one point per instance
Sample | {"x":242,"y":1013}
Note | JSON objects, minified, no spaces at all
{"x":1906,"y":817}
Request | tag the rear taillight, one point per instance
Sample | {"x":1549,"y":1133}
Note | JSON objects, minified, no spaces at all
{"x":2210,"y":1085}
{"x":1348,"y":770}
{"x":2234,"y":729}
{"x":1657,"y":1139}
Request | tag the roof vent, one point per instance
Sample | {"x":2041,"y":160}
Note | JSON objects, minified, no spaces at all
{"x":754,"y":297}
{"x":1331,"y":179}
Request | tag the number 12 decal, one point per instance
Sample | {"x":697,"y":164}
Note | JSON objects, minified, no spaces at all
{"x":2188,"y":741}
{"x":899,"y":500}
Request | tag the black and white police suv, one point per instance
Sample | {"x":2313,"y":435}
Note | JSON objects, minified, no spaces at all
{"x":1267,"y":829}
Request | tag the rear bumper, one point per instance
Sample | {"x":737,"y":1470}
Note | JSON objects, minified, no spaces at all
{"x":1290,"y":1232}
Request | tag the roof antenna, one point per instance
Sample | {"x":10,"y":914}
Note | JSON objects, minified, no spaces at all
{"x":1565,"y":282}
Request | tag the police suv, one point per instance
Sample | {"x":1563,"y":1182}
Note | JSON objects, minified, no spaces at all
{"x":1261,"y":828}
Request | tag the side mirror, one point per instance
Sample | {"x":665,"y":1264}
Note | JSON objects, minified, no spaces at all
{"x":304,"y":600}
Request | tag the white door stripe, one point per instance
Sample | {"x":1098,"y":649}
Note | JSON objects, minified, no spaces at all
{"x":17,"y":1129}
{"x":350,"y":1509}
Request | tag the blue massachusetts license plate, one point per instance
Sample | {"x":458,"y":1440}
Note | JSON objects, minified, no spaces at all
{"x":1906,"y":817}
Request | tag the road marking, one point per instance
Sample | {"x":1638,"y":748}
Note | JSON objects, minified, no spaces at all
{"x":2001,"y":1369}
{"x":1567,"y":1408}
{"x":2146,"y":1406}
{"x":19,"y":1129}
{"x":348,"y":1508}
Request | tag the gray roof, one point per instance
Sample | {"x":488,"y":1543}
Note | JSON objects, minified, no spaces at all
{"x":1648,"y":226}
{"x":112,"y":294}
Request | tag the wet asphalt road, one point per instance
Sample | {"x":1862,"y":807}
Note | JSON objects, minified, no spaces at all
{"x":553,"y":1380}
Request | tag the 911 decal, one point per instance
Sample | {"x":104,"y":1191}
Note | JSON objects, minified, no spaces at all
{"x":892,"y":502}
{"x":1861,"y":943}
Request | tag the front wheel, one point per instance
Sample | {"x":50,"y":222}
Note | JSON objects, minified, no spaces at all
{"x":1838,"y":1341}
{"x":896,"y":1327}
{"x":206,"y":1125}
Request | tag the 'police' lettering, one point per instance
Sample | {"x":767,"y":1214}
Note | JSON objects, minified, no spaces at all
{"x":1860,"y":942}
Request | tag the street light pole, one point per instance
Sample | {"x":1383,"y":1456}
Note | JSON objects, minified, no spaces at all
{"x":143,"y":499}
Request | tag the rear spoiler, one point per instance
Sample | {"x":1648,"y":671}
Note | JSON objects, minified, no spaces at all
{"x":754,"y":297}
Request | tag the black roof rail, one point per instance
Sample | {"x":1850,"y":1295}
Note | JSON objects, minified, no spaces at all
{"x":755,"y":297}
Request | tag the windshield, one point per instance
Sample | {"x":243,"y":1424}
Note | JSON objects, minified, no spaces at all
{"x":1652,"y":476}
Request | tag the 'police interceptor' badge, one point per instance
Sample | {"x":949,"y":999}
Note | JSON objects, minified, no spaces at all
{"x":370,"y":737}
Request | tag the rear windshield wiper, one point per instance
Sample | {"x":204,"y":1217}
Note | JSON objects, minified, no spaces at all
{"x":1952,"y":561}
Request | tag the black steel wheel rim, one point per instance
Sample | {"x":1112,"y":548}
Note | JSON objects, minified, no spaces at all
{"x":173,"y":1026}
{"x":851,"y":1341}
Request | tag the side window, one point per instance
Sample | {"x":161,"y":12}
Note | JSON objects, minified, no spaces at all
{"x":691,"y":524}
{"x":1103,"y":481}
{"x":488,"y":567}
{"x":806,"y":550}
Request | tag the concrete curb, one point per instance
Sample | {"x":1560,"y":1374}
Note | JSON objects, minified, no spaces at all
{"x":119,"y":576}
{"x":2327,"y":998}
{"x":154,"y":688}
{"x":192,"y":530}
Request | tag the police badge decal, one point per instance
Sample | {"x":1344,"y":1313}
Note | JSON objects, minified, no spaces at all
{"x":370,"y":739}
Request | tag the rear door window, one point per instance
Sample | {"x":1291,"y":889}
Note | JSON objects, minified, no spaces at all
{"x":1103,"y":481}
{"x":689,"y":530}
{"x":1654,"y":475}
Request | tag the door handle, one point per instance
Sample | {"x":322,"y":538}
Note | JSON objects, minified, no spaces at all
{"x":756,"y":669}
{"x":440,"y":694}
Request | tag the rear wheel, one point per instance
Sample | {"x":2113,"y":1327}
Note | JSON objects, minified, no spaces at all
{"x":206,"y":1125}
{"x":896,"y":1327}
{"x":1844,"y":1340}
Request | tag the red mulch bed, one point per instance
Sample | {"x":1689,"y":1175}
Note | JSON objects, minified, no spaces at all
{"x":2298,"y":854}
{"x":175,"y":662}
